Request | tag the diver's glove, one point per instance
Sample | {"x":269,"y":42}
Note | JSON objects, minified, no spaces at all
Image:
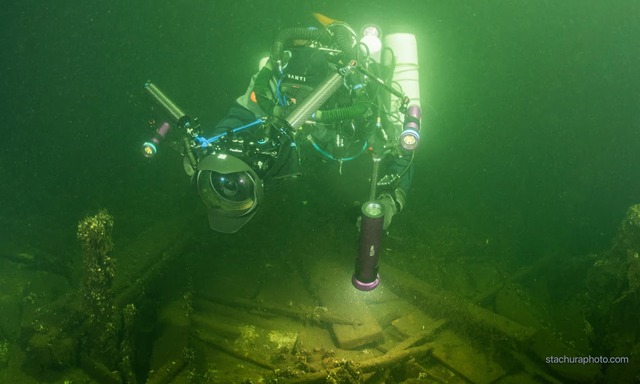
{"x":282,"y":111}
{"x":393,"y":202}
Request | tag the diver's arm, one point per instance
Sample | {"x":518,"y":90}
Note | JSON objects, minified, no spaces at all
{"x":263,"y":91}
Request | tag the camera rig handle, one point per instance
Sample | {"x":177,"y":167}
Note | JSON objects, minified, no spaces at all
{"x":182,"y":119}
{"x":164,"y":101}
{"x":191,"y":127}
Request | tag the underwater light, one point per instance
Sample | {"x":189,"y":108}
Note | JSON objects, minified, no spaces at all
{"x":150,"y":148}
{"x":365,"y":277}
{"x":371,"y":38}
{"x":410,"y":136}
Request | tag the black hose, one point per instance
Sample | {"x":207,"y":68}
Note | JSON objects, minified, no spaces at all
{"x":344,"y":39}
{"x":285,"y":36}
{"x":338,"y":114}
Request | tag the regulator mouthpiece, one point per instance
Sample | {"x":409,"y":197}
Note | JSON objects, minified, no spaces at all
{"x":410,"y":136}
{"x":150,"y":148}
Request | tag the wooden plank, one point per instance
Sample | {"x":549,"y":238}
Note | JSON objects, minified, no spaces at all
{"x":419,"y":336}
{"x":439,"y":303}
{"x":415,"y":322}
{"x":237,"y":353}
{"x":175,"y":330}
{"x":460,"y":356}
{"x":516,"y":276}
{"x":331,"y":284}
{"x":283,"y":285}
{"x":354,"y":336}
{"x":375,"y":364}
{"x":304,"y":314}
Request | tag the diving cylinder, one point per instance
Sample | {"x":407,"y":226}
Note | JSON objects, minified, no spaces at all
{"x":406,"y":74}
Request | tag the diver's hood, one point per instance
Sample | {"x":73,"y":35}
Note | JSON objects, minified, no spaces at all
{"x":230,"y":190}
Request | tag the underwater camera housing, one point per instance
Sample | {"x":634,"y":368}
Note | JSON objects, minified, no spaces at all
{"x":227,"y":184}
{"x":230,"y":189}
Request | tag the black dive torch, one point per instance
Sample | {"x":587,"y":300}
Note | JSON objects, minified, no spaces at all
{"x":365,"y":277}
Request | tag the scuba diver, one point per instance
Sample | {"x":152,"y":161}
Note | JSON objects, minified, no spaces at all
{"x":320,"y":88}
